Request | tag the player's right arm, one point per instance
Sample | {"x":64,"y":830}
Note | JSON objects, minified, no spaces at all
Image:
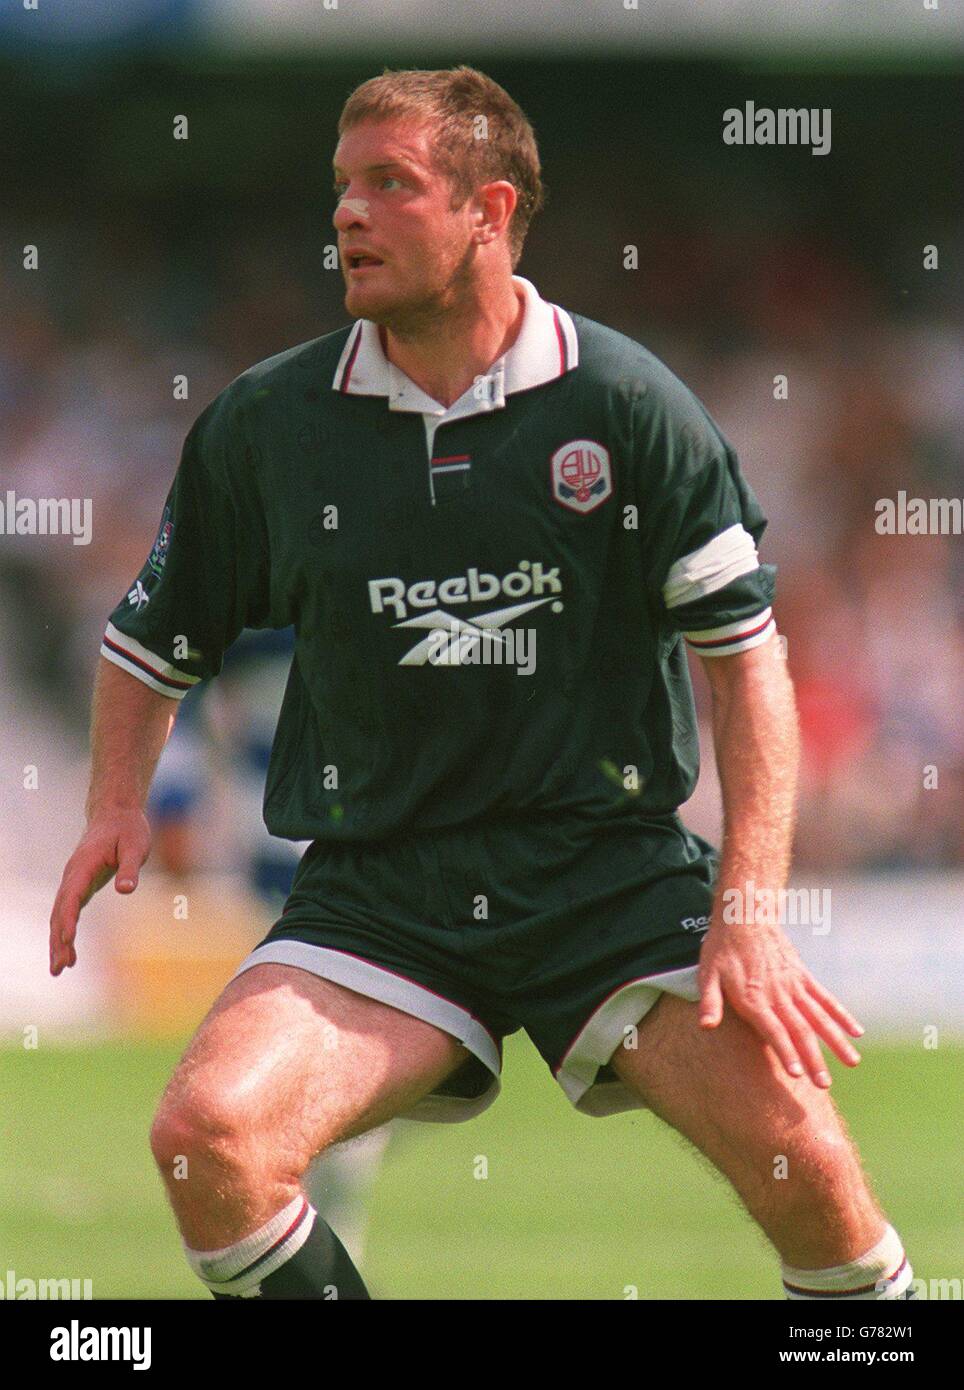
{"x":205,"y":579}
{"x":130,"y":723}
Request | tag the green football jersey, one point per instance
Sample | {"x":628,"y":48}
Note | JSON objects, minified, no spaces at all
{"x":490,"y":601}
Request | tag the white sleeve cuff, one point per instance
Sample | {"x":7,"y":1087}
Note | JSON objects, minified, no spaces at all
{"x":733,"y":637}
{"x":137,"y":660}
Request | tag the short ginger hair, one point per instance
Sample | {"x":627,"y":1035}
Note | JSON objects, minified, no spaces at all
{"x":470,"y":151}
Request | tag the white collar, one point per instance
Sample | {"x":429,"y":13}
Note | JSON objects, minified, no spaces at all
{"x":546,"y":348}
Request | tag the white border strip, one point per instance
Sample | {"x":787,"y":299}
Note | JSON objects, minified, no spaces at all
{"x":730,"y":629}
{"x":571,"y":337}
{"x":141,"y":674}
{"x":739,"y":644}
{"x":603,"y":1032}
{"x":449,"y":467}
{"x":163,"y":668}
{"x":378,"y":982}
{"x":346,"y":353}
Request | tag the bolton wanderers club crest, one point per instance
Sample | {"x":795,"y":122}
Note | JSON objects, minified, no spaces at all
{"x":581,"y":475}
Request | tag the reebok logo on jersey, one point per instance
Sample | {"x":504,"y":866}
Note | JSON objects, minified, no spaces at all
{"x":471,"y":587}
{"x":452,"y":640}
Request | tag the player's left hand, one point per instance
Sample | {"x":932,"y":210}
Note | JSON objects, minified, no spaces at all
{"x":757,"y":971}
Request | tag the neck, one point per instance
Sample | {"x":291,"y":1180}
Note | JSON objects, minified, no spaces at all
{"x":445,"y":352}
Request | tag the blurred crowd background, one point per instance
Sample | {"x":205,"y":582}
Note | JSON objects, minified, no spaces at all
{"x":161,"y":258}
{"x":201,"y":257}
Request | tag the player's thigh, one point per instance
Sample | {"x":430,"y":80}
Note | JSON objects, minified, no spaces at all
{"x":296,"y":1061}
{"x":726,"y":1092}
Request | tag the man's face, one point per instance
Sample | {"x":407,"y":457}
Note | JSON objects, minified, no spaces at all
{"x":396,"y":206}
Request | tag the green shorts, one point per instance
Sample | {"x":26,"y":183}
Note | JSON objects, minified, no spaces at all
{"x":565,"y":928}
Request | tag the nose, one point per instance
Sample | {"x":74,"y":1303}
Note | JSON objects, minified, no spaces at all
{"x":350,"y":212}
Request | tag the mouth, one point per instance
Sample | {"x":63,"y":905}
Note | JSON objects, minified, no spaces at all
{"x":358,"y":262}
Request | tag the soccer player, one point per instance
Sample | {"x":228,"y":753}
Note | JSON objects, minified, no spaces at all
{"x":493,"y":524}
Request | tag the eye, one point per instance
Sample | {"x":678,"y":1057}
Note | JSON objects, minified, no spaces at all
{"x":390,"y":178}
{"x":338,"y":189}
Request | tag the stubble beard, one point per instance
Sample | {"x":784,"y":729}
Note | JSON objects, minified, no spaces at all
{"x":418,"y":315}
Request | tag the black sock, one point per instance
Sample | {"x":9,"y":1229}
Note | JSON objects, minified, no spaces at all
{"x":322,"y":1269}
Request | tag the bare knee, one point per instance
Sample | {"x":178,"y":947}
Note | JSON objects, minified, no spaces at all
{"x":197,"y":1130}
{"x":226,"y":1173}
{"x":815,"y":1160}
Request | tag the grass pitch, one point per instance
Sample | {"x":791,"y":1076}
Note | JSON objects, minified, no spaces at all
{"x":570,"y":1208}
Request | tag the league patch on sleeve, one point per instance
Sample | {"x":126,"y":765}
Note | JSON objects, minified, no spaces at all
{"x":158,"y":556}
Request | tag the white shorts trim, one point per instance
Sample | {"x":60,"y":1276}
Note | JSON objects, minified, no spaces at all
{"x":603,"y":1032}
{"x":377,"y":982}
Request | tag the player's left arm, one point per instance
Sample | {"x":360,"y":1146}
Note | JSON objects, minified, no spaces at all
{"x":746,"y":959}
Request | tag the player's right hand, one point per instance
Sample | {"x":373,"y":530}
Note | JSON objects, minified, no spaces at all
{"x":115,"y":842}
